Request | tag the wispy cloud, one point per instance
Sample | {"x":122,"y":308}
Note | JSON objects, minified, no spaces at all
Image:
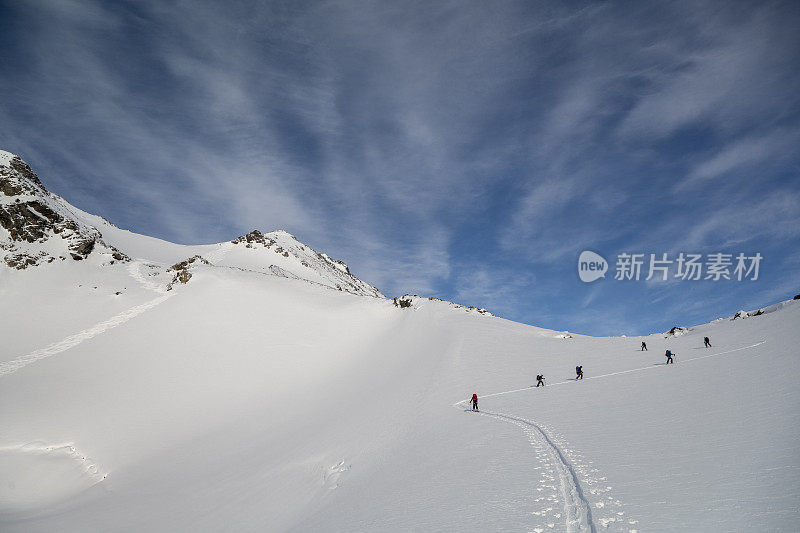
{"x":451,"y":148}
{"x":752,"y":153}
{"x":727,"y":74}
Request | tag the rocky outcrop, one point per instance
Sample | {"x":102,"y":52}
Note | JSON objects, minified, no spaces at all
{"x":17,"y":178}
{"x":182,"y":273}
{"x":675,"y":331}
{"x":31,"y":216}
{"x":116,"y":255}
{"x":740,"y":314}
{"x":183,"y":265}
{"x":412,"y":300}
{"x":402,"y":303}
{"x":23,"y":260}
{"x":253,"y":239}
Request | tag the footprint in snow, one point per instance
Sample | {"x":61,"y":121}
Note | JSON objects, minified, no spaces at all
{"x":332,"y":478}
{"x":606,"y":522}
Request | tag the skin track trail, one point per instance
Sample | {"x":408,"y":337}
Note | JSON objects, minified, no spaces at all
{"x":640,"y":369}
{"x":63,"y":345}
{"x":577,"y":511}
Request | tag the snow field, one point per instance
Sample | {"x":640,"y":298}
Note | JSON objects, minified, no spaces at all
{"x":250,"y":402}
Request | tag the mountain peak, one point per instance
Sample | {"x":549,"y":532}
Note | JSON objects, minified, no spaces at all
{"x":280,"y":251}
{"x":17,"y":177}
{"x":37,"y":226}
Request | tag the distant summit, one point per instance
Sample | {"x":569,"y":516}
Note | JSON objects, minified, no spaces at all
{"x":284,"y":255}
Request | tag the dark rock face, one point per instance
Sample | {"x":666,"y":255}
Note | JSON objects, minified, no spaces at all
{"x":183,"y":265}
{"x":25,"y":171}
{"x":33,"y":221}
{"x":33,"y":216}
{"x":30,"y":221}
{"x":182,"y":274}
{"x":402,"y":303}
{"x":119,"y":256}
{"x":741,"y":314}
{"x":253,"y":238}
{"x":81,"y":248}
{"x":18,"y":178}
{"x":24,"y":260}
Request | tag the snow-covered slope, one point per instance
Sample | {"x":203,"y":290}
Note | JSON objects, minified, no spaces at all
{"x":247,"y":402}
{"x":241,"y":401}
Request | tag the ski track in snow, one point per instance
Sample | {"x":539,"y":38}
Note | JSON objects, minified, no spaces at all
{"x":564,"y":473}
{"x":68,"y":450}
{"x":570,"y":470}
{"x":217,"y":255}
{"x":9,"y":367}
{"x":577,"y":511}
{"x":651,"y":367}
{"x":135,"y":271}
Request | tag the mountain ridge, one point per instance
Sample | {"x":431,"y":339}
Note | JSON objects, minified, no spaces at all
{"x":38,"y":227}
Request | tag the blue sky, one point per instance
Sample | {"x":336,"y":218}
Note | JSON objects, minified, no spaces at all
{"x":464,"y":150}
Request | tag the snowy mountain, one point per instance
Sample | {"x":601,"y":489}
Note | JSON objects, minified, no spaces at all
{"x":231,"y":387}
{"x":38,"y":227}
